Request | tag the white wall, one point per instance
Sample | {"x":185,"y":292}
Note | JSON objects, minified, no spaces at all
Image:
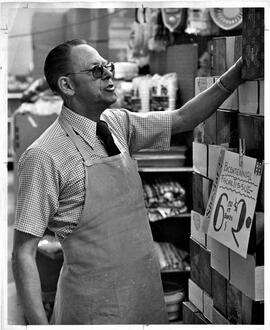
{"x":20,"y":52}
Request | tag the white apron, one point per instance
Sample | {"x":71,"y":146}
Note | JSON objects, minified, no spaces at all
{"x":110,"y":273}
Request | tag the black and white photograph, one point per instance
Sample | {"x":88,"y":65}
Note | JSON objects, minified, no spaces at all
{"x":133,"y":164}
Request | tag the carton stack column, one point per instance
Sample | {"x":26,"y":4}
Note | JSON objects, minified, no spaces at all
{"x":224,"y":287}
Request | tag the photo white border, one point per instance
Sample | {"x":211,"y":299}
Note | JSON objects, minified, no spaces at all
{"x":4,"y":5}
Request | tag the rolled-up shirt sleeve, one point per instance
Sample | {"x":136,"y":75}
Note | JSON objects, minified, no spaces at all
{"x":38,"y":190}
{"x":150,"y":130}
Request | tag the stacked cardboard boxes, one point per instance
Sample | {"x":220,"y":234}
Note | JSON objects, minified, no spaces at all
{"x":224,"y":287}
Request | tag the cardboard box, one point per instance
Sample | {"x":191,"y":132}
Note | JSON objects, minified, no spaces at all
{"x":188,"y":312}
{"x":224,"y":52}
{"x":198,"y":133}
{"x":200,"y":319}
{"x":210,"y":129}
{"x":249,"y":97}
{"x":252,"y":311}
{"x":213,"y":156}
{"x":260,"y":198}
{"x":201,"y":189}
{"x":256,"y":239}
{"x":227,"y":130}
{"x":208,"y":306}
{"x":261,"y":97}
{"x":195,"y":295}
{"x":231,"y":103}
{"x":203,"y":83}
{"x":241,"y":309}
{"x":195,"y":228}
{"x":246,"y":276}
{"x":219,"y":257}
{"x":253,"y":43}
{"x":27,"y":128}
{"x":206,"y":132}
{"x":251,"y":128}
{"x":201,"y":272}
{"x":200,"y":154}
{"x":219,"y":292}
{"x":191,"y":315}
{"x":218,"y":318}
{"x":234,"y":304}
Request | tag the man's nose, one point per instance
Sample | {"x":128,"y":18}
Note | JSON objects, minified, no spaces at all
{"x":107,"y":74}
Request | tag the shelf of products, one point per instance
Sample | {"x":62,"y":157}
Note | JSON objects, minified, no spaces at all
{"x":167,"y":190}
{"x":165,"y":169}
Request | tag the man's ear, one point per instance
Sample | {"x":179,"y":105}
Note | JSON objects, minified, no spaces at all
{"x":65,"y":85}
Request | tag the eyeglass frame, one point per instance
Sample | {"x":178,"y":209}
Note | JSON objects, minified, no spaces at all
{"x":87,"y":71}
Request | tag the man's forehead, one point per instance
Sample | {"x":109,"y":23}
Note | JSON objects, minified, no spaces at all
{"x":85,"y":55}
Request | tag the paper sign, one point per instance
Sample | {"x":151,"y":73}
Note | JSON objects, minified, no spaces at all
{"x":231,"y":205}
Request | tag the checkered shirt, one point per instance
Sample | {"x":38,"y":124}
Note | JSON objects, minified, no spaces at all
{"x":51,"y":176}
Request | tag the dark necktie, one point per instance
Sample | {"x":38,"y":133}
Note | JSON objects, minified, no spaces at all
{"x":105,"y":136}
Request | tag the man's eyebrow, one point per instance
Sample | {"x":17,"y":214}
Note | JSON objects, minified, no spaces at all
{"x":99,"y":63}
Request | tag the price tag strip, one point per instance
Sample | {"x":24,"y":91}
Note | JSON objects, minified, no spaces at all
{"x":231,"y":205}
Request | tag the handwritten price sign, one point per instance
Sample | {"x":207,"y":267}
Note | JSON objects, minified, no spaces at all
{"x":232,"y":201}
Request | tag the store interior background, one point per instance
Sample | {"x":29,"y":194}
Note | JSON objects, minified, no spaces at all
{"x":26,"y":52}
{"x":32,"y":32}
{"x":109,"y":33}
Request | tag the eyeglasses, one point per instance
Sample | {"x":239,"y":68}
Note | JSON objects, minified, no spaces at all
{"x":97,"y":70}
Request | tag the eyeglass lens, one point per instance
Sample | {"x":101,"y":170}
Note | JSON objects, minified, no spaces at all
{"x":98,"y":70}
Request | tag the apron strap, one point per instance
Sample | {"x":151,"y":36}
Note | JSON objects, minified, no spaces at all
{"x":77,"y":142}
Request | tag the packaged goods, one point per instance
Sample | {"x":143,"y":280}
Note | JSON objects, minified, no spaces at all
{"x":199,"y":22}
{"x":164,"y":198}
{"x":125,"y":70}
{"x":163,"y":92}
{"x":174,"y":294}
{"x":140,"y":97}
{"x":150,"y":158}
{"x":123,"y":90}
{"x":171,"y":258}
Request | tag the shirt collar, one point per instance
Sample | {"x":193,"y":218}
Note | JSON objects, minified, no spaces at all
{"x":85,"y":127}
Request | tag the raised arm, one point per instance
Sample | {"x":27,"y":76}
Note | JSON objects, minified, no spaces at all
{"x":27,"y":278}
{"x":204,"y":104}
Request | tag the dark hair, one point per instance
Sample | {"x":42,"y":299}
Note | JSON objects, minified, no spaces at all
{"x":57,"y":62}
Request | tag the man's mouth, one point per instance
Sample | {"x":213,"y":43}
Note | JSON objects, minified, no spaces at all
{"x":110,"y":88}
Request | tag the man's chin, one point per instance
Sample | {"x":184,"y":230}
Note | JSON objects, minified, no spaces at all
{"x":112,"y":101}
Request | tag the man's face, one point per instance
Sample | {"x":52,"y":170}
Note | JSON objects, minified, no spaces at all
{"x":90,"y":91}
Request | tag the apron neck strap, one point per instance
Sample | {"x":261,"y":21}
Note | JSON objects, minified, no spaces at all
{"x":77,"y":142}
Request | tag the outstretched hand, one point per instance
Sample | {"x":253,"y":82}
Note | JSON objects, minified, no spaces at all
{"x":231,"y":79}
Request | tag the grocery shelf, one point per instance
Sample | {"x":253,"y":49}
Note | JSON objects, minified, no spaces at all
{"x":14,"y":95}
{"x":166,"y":271}
{"x":164,"y":169}
{"x":179,"y":216}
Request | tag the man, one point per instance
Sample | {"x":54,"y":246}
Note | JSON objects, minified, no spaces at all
{"x":93,"y":199}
